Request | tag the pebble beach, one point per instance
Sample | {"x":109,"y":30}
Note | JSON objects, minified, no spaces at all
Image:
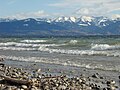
{"x":34,"y":76}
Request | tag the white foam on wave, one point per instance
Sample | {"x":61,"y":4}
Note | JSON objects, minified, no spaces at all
{"x":15,"y":44}
{"x":34,"y":45}
{"x":45,"y":60}
{"x":32,"y":59}
{"x":17,"y":48}
{"x":33,"y":41}
{"x":80,"y":52}
{"x":96,"y":49}
{"x":56,"y":61}
{"x":73,"y":41}
{"x":26,"y":44}
{"x":8,"y":44}
{"x":104,"y":47}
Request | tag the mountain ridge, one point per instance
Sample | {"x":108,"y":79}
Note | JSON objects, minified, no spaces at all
{"x":61,"y":26}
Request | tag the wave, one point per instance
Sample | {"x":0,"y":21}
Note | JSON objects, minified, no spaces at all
{"x":26,"y":44}
{"x":33,"y":41}
{"x":35,"y":45}
{"x":73,"y":41}
{"x":96,"y":49}
{"x":14,"y":44}
{"x":63,"y":51}
{"x":104,"y":47}
{"x":17,"y":48}
{"x":81,"y":52}
{"x":8,"y":44}
{"x":91,"y":65}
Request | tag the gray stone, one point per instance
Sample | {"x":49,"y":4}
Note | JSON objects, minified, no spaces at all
{"x":34,"y":88}
{"x":7,"y":88}
{"x":61,"y":87}
{"x":24,"y":86}
{"x":95,"y":76}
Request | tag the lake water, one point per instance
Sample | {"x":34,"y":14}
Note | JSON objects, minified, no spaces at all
{"x":94,"y":52}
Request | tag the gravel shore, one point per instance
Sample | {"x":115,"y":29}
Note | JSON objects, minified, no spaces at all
{"x":20,"y":78}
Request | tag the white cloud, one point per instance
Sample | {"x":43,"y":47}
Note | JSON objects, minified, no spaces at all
{"x":37,"y":14}
{"x":91,"y":11}
{"x":83,"y":11}
{"x":89,"y":7}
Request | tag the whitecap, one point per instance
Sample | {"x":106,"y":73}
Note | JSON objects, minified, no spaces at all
{"x":17,"y":48}
{"x":73,"y":41}
{"x":33,"y":41}
{"x":104,"y":47}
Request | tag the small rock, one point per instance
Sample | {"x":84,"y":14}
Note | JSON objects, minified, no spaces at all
{"x":34,"y":88}
{"x":17,"y":89}
{"x":119,"y":77}
{"x":34,"y":64}
{"x":21,"y":89}
{"x":24,"y":86}
{"x":108,"y":82}
{"x":101,"y":77}
{"x":111,"y":88}
{"x":112,"y":82}
{"x":7,"y":88}
{"x":45,"y":87}
{"x":88,"y":88}
{"x":54,"y":88}
{"x":34,"y":80}
{"x":95,"y":76}
{"x":39,"y":70}
{"x":104,"y":89}
{"x":61,"y":87}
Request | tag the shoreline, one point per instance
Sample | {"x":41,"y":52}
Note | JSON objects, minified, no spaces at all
{"x":92,"y":77}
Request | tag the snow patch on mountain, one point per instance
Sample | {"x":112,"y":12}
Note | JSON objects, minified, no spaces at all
{"x":60,"y":19}
{"x":27,"y":20}
{"x":60,"y":25}
{"x":87,"y":19}
{"x":82,"y":21}
{"x":64,"y":19}
{"x":73,"y":19}
{"x":25,"y":25}
{"x":116,"y":16}
{"x":7,"y":19}
{"x":83,"y":24}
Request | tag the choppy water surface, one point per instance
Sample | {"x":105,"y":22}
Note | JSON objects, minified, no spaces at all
{"x":90,"y":52}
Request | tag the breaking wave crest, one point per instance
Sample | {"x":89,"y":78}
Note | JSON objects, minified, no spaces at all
{"x":25,"y":44}
{"x":96,"y":49}
{"x":104,"y":47}
{"x":81,"y":52}
{"x":7,"y":44}
{"x":33,"y":41}
{"x":17,"y":48}
{"x":73,"y":41}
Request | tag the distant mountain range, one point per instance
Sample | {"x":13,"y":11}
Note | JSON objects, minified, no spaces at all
{"x":61,"y":26}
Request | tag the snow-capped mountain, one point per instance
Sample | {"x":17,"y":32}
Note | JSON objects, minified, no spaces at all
{"x":84,"y":25}
{"x":7,"y":20}
{"x":87,"y":19}
{"x":65,"y":19}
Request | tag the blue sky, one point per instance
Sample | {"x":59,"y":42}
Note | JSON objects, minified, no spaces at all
{"x":56,"y":8}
